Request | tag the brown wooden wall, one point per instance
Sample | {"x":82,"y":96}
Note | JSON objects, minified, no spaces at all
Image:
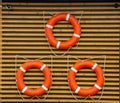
{"x":23,"y":34}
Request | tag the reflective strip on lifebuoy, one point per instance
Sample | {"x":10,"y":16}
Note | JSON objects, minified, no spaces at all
{"x":49,"y":32}
{"x":81,"y":65}
{"x":20,"y":78}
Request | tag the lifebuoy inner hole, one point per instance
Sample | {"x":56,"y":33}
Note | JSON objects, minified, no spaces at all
{"x":86,"y":78}
{"x":34,"y":78}
{"x":63,"y":31}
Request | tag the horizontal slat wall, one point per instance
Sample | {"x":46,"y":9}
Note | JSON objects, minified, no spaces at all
{"x":23,"y":34}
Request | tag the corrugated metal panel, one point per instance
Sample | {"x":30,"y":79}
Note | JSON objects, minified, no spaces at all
{"x":23,"y":34}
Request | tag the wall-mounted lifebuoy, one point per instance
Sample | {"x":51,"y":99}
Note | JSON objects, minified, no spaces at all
{"x":49,"y":30}
{"x":81,"y":65}
{"x":20,"y":78}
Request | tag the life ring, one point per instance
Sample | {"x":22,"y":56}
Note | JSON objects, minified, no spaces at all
{"x":81,"y":65}
{"x":49,"y":31}
{"x":20,"y":78}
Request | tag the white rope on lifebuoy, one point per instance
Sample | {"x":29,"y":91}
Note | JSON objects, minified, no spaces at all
{"x":44,"y":87}
{"x":98,"y":87}
{"x":24,"y":89}
{"x":77,"y":90}
{"x":22,"y":69}
{"x":49,"y":26}
{"x":76,"y":35}
{"x":43,"y":67}
{"x":94,"y":66}
{"x":74,"y":70}
{"x":58,"y":44}
{"x":67,"y":17}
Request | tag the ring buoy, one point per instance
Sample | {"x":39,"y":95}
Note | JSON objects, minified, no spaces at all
{"x":49,"y":31}
{"x":81,"y":65}
{"x":20,"y":78}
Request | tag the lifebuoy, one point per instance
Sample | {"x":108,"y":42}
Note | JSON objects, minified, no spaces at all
{"x":49,"y":31}
{"x":20,"y":78}
{"x":81,"y":65}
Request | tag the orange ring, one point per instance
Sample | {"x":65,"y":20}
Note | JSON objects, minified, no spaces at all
{"x":81,"y":65}
{"x":49,"y":31}
{"x":20,"y":78}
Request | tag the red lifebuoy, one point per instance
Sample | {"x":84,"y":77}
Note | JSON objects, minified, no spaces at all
{"x":49,"y":32}
{"x":20,"y":78}
{"x":81,"y":65}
